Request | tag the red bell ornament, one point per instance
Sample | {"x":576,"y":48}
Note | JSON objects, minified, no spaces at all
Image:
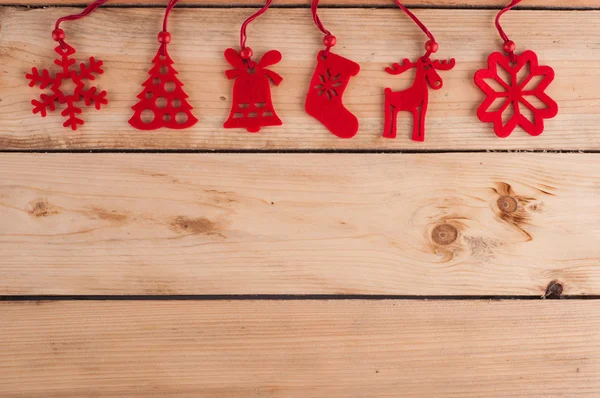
{"x":324,"y":100}
{"x":162,"y":102}
{"x":251,"y":105}
{"x":69,"y":72}
{"x":517,"y":94}
{"x":416,"y":98}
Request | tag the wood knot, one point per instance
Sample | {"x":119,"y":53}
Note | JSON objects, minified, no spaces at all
{"x":507,"y":204}
{"x":444,"y":234}
{"x":554,"y":290}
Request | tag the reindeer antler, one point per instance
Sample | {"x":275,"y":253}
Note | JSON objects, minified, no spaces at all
{"x":397,"y":68}
{"x":444,"y":65}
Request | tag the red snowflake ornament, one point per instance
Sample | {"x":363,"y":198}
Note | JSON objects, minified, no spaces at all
{"x":75,"y":75}
{"x":525,"y":82}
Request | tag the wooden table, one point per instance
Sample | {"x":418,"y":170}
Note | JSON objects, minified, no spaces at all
{"x":291,"y":263}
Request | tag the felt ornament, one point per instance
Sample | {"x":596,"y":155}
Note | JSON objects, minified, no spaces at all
{"x":69,"y":74}
{"x":416,"y":98}
{"x":514,"y":86}
{"x":163,"y":103}
{"x":252,"y":106}
{"x":324,"y":100}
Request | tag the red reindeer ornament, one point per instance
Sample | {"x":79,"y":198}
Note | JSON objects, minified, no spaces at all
{"x":252,"y":107}
{"x":416,"y":98}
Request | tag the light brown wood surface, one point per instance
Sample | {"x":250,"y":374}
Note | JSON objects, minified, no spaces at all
{"x":324,"y":3}
{"x":373,"y":37}
{"x":300,"y":348}
{"x":298,"y":224}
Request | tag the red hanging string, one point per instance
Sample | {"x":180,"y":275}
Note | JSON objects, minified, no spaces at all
{"x":170,"y":6}
{"x":509,"y":45}
{"x":243,"y":36}
{"x":59,"y":35}
{"x":329,"y":39}
{"x":164,"y":37}
{"x":432,"y":45}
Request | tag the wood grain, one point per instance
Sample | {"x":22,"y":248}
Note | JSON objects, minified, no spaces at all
{"x":367,"y":3}
{"x":376,"y":38}
{"x":300,"y":348}
{"x":299,"y":224}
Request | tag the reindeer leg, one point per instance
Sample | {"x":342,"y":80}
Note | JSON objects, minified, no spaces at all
{"x":389,"y":128}
{"x":419,"y":126}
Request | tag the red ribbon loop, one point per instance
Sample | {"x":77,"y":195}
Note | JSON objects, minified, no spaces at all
{"x":419,"y":24}
{"x":243,"y":36}
{"x":88,"y":10}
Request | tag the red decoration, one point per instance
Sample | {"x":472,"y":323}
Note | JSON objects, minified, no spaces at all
{"x":324,"y":100}
{"x":514,"y":94}
{"x":252,"y":107}
{"x":416,"y":98}
{"x":332,"y":74}
{"x":76,"y":75}
{"x":518,"y":80}
{"x":164,"y":97}
{"x":80,"y":92}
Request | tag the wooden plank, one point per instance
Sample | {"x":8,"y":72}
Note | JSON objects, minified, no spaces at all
{"x":299,"y":224}
{"x":301,"y":348}
{"x":410,"y":3}
{"x":376,"y":38}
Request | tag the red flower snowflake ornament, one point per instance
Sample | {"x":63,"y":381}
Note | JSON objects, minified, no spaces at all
{"x":76,"y":75}
{"x":515,"y":87}
{"x":523,"y":94}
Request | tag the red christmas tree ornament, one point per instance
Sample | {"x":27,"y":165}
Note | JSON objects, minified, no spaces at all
{"x":163,"y":98}
{"x":324,"y":100}
{"x":416,"y":98}
{"x":69,"y":73}
{"x":252,"y":106}
{"x":518,"y":89}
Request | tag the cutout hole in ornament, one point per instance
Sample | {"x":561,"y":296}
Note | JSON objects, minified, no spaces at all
{"x":322,"y":78}
{"x":147,"y":116}
{"x":260,"y":105}
{"x":169,"y":87}
{"x":156,"y":81}
{"x":494,"y":85}
{"x":267,"y":114}
{"x":163,"y":70}
{"x":508,"y":113}
{"x":497,"y":105}
{"x":534,"y":101}
{"x":176,"y":103}
{"x":149,"y":95}
{"x":162,"y":57}
{"x":504,"y":75}
{"x":238,"y":115}
{"x":251,"y":71}
{"x":533,"y":83}
{"x":167,"y":117}
{"x":181,"y":117}
{"x":161,"y":102}
{"x":253,"y":114}
{"x":523,"y":73}
{"x":526,"y":113}
{"x":244,"y":106}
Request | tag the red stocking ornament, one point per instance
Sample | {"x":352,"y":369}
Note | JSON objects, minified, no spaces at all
{"x":326,"y":90}
{"x":163,"y":94}
{"x":523,"y":86}
{"x":69,"y":73}
{"x":416,"y":98}
{"x":252,"y":107}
